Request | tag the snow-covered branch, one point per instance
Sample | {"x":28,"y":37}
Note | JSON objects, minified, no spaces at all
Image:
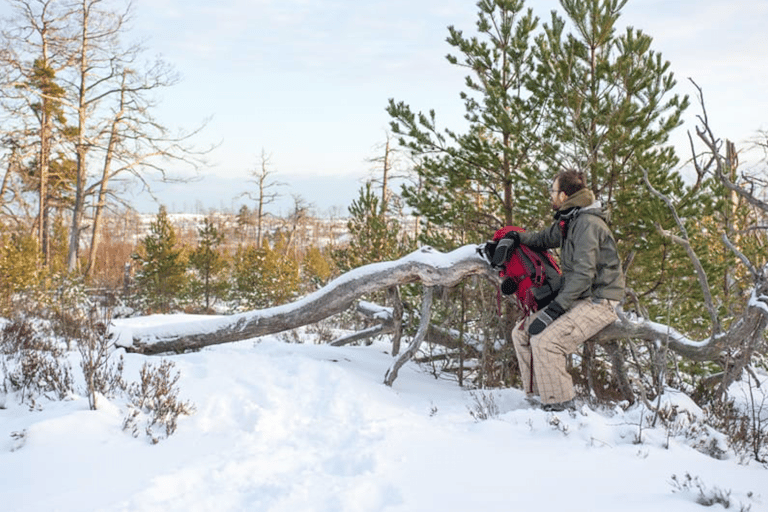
{"x":426,"y":265}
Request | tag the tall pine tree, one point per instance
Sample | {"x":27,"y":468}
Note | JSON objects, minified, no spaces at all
{"x":611,"y":110}
{"x":475,"y":182}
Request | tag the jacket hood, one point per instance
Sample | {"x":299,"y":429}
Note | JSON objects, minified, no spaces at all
{"x":582,"y":201}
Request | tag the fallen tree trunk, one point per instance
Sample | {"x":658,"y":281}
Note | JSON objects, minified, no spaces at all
{"x":426,"y":265}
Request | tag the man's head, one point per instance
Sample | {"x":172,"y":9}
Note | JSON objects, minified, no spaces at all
{"x":566,"y":184}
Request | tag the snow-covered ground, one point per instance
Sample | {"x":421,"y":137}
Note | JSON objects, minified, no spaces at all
{"x":304,"y":427}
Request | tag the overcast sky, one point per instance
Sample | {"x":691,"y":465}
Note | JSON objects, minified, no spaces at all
{"x":308,"y":81}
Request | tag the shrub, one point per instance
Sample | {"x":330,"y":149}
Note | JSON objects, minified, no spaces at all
{"x":154,"y":402}
{"x":102,"y":377}
{"x":33,"y":365}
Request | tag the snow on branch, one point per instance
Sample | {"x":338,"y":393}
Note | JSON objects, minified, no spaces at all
{"x":425,"y":265}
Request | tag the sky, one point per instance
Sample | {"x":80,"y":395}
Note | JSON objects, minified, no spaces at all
{"x":307,"y":81}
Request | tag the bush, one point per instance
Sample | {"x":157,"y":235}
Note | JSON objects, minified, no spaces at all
{"x":701,"y":494}
{"x":745,"y":424}
{"x":102,"y":377}
{"x":33,"y":365}
{"x":154,"y":402}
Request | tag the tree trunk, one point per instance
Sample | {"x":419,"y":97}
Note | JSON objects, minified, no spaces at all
{"x":425,"y":265}
{"x":81,"y":149}
{"x":103,"y":184}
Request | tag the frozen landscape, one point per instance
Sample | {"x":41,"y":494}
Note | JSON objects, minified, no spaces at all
{"x":282,"y":426}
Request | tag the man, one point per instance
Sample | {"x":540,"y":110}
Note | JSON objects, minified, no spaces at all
{"x":592,"y":286}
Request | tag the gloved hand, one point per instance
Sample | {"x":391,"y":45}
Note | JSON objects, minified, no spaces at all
{"x":546,"y":317}
{"x":487,"y":250}
{"x":508,"y":286}
{"x":504,"y":249}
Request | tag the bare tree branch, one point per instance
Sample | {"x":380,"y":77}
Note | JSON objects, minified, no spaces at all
{"x":425,"y":265}
{"x":684,"y":241}
{"x":413,"y":347}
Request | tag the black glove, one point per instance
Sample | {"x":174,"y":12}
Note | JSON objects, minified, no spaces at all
{"x":546,"y":317}
{"x":488,"y":249}
{"x":503,"y":251}
{"x":508,"y":286}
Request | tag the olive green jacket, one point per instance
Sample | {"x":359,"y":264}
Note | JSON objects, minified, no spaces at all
{"x":588,"y":257}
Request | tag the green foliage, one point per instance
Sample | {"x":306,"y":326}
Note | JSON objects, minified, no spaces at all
{"x":43,"y":79}
{"x":161,"y":278}
{"x":374,"y":235}
{"x":19,"y":260}
{"x":611,"y":112}
{"x":475,"y":182}
{"x":317,"y":267}
{"x":265,"y":277}
{"x":209,"y":264}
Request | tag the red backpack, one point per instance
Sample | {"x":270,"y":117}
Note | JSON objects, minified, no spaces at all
{"x":532,"y":275}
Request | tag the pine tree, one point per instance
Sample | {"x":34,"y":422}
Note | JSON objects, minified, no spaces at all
{"x":475,"y":182}
{"x":19,"y":256}
{"x":611,"y":109}
{"x":317,"y":268}
{"x":374,"y":234}
{"x":161,"y":278}
{"x":209,"y":264}
{"x":265,"y":276}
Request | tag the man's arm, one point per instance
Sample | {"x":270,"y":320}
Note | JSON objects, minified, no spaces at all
{"x":546,"y":239}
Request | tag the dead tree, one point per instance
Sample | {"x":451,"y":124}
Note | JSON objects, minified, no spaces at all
{"x":426,"y":265}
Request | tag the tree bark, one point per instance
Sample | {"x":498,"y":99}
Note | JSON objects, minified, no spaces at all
{"x":426,"y":265}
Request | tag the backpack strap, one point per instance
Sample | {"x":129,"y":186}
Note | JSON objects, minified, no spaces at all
{"x":534,"y":265}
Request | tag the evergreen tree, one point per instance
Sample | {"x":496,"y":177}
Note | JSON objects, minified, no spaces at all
{"x":265,"y":276}
{"x":475,"y":182}
{"x":208,"y":263}
{"x":161,"y":278}
{"x":244,"y":222}
{"x":19,"y":256}
{"x":317,"y":268}
{"x":374,"y":234}
{"x":611,"y":109}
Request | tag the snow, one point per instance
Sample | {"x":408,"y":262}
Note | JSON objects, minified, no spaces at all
{"x":304,"y":427}
{"x":758,"y":301}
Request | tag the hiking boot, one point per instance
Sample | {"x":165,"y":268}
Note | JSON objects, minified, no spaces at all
{"x":560,"y":406}
{"x":533,"y":400}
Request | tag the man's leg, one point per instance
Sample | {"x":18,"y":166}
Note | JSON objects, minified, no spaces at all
{"x":563,"y":337}
{"x":522,"y":342}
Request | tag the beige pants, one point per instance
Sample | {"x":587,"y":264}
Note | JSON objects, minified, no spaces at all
{"x":542,"y":358}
